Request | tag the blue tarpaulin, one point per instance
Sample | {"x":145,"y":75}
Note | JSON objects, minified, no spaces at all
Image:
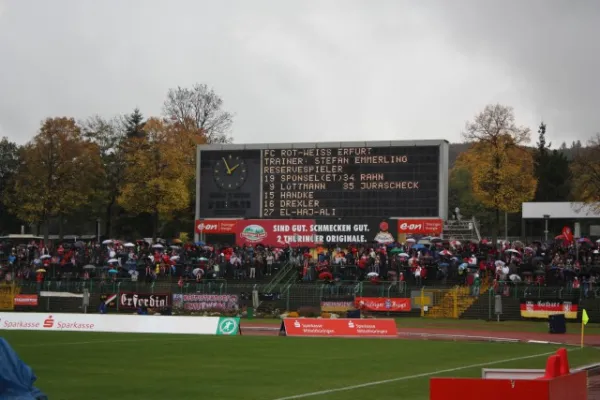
{"x":16,"y":377}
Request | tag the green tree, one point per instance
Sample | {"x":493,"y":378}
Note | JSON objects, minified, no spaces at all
{"x":585,"y":170}
{"x":57,"y":175}
{"x":502,"y":170}
{"x":9,"y":165}
{"x":551,"y":170}
{"x":134,"y":125}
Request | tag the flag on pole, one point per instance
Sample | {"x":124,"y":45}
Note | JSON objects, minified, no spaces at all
{"x":584,"y":317}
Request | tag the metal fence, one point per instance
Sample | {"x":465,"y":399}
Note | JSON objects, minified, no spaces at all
{"x":430,"y":302}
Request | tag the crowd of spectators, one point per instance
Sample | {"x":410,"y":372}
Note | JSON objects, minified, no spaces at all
{"x":418,"y":262}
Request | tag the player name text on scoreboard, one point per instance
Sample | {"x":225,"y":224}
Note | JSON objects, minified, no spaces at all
{"x":294,"y":180}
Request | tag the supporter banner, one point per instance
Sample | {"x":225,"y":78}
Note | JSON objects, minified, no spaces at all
{"x":150,"y":300}
{"x":382,"y":304}
{"x":27,"y":300}
{"x":220,"y":226}
{"x":119,"y":323}
{"x":340,"y":327}
{"x":198,"y":302}
{"x":337,"y":305}
{"x":309,"y":233}
{"x":544,"y":308}
{"x":420,"y":226}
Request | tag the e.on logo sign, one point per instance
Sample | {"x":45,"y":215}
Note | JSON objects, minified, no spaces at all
{"x":216,"y":226}
{"x":202,"y":227}
{"x":426,"y":226}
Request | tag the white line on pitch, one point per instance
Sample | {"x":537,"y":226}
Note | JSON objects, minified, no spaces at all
{"x":409,"y":377}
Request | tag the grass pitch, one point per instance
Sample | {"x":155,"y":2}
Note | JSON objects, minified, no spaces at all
{"x":85,"y":366}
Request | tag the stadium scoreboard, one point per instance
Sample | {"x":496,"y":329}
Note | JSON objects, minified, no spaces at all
{"x":379,"y":179}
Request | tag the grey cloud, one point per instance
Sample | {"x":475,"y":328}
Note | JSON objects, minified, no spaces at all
{"x":311,"y":70}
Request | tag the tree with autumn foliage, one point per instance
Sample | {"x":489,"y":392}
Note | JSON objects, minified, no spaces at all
{"x":156,"y":174}
{"x":502,"y":169}
{"x":585,"y":170}
{"x":58,"y":173}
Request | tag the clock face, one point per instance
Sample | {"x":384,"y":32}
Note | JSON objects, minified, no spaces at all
{"x":230,"y":172}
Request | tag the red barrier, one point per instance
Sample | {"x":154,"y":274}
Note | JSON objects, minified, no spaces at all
{"x":340,"y":327}
{"x":556,"y":384}
{"x":568,"y":387}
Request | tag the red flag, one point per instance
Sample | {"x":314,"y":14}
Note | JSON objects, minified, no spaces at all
{"x":567,"y":233}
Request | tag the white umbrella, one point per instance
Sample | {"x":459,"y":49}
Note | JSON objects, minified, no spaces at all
{"x":424,"y":242}
{"x":151,"y":258}
{"x":107,"y":242}
{"x":129,"y":245}
{"x":175,"y":258}
{"x":512,"y":251}
{"x":158,"y":246}
{"x":45,"y":257}
{"x":175,"y":247}
{"x":372,"y":274}
{"x":403,"y":255}
{"x":112,"y":254}
{"x":89,"y":266}
{"x":410,"y":240}
{"x":515,"y":278}
{"x":197,"y":271}
{"x":113,"y":260}
{"x":499,"y":263}
{"x":505,"y":270}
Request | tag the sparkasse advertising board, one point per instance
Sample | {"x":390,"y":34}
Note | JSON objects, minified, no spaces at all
{"x":119,"y":323}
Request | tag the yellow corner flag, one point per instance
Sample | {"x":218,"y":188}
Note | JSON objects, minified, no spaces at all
{"x":584,"y":321}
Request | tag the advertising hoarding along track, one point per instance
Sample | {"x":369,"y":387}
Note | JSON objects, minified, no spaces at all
{"x":340,"y":327}
{"x":383,"y":304}
{"x":531,"y":308}
{"x":323,"y":180}
{"x":119,"y":323}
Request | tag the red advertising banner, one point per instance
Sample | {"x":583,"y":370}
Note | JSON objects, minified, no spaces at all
{"x":341,"y":327}
{"x":382,"y":304}
{"x":222,"y":226}
{"x":421,"y":226}
{"x":310,"y":233}
{"x":30,"y":300}
{"x":275,"y":232}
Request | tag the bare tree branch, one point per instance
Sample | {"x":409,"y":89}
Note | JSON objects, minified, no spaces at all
{"x":199,"y":108}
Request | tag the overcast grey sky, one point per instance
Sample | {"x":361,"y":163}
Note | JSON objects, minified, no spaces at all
{"x":306,"y":70}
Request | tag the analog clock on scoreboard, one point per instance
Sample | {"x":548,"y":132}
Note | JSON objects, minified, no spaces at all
{"x":230,"y":172}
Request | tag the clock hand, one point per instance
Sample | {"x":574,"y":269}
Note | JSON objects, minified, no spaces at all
{"x":232,"y":169}
{"x":226,"y":166}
